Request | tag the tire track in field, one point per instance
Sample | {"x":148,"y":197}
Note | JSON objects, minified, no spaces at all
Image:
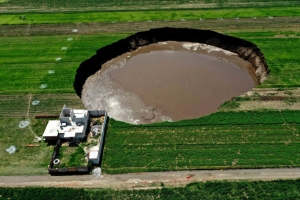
{"x":27,"y":32}
{"x":27,"y":115}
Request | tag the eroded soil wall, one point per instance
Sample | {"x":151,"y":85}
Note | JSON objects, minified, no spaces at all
{"x":244,"y":49}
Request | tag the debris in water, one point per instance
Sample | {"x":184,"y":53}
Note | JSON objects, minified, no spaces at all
{"x":35,"y":102}
{"x":11,"y":150}
{"x":23,"y":124}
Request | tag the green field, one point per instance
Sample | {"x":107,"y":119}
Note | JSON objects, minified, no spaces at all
{"x":288,"y":189}
{"x":125,"y":16}
{"x":219,"y":141}
{"x":30,"y":48}
{"x":26,"y":61}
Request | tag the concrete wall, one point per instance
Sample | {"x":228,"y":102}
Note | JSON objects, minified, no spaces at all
{"x":99,"y":113}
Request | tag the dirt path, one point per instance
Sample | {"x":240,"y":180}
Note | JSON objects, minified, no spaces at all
{"x":148,"y":180}
{"x":27,"y":115}
{"x":247,"y":24}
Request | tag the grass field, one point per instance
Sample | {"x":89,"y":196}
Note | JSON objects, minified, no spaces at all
{"x":31,"y":48}
{"x":219,"y":141}
{"x":26,"y":61}
{"x":16,"y":108}
{"x":125,"y":16}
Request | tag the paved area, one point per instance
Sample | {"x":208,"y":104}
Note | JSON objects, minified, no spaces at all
{"x":148,"y":180}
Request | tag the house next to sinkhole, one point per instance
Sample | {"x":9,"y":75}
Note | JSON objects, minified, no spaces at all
{"x":73,"y":127}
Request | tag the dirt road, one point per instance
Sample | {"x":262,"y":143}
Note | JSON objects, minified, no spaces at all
{"x":148,"y":180}
{"x":247,"y":24}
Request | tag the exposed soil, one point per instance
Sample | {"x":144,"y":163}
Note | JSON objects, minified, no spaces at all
{"x":148,"y":180}
{"x":271,"y":98}
{"x":94,"y":6}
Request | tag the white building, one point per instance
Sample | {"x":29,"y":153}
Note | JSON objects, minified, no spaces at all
{"x":71,"y":124}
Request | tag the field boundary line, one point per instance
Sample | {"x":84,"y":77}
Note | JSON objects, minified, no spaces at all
{"x":27,"y":115}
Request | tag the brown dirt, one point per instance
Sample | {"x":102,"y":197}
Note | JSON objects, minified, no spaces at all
{"x":148,"y":180}
{"x":271,"y":98}
{"x":10,"y":7}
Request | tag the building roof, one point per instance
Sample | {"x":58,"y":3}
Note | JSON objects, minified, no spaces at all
{"x":71,"y":131}
{"x":51,"y":129}
{"x":93,"y":155}
{"x":80,"y":113}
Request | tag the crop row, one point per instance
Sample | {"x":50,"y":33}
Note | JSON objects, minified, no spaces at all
{"x":25,"y":64}
{"x":197,"y":144}
{"x":157,"y":15}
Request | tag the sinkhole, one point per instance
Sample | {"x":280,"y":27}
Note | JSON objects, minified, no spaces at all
{"x":169,"y":74}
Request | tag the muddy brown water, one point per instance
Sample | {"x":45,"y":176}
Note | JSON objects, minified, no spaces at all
{"x":168,"y":81}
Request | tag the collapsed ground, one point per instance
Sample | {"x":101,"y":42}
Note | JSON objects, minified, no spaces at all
{"x":30,"y":50}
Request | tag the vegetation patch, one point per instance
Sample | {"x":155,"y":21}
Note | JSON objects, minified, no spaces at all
{"x":30,"y":158}
{"x":156,"y":15}
{"x":72,"y":156}
{"x":218,"y":141}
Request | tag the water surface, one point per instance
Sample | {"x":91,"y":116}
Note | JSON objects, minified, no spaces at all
{"x":168,"y":81}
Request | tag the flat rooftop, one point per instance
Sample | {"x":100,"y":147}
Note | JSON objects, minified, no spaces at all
{"x":51,"y":129}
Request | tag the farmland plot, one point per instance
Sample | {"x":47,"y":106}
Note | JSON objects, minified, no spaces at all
{"x":156,"y":15}
{"x":25,"y":63}
{"x":92,"y":5}
{"x":219,"y":141}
